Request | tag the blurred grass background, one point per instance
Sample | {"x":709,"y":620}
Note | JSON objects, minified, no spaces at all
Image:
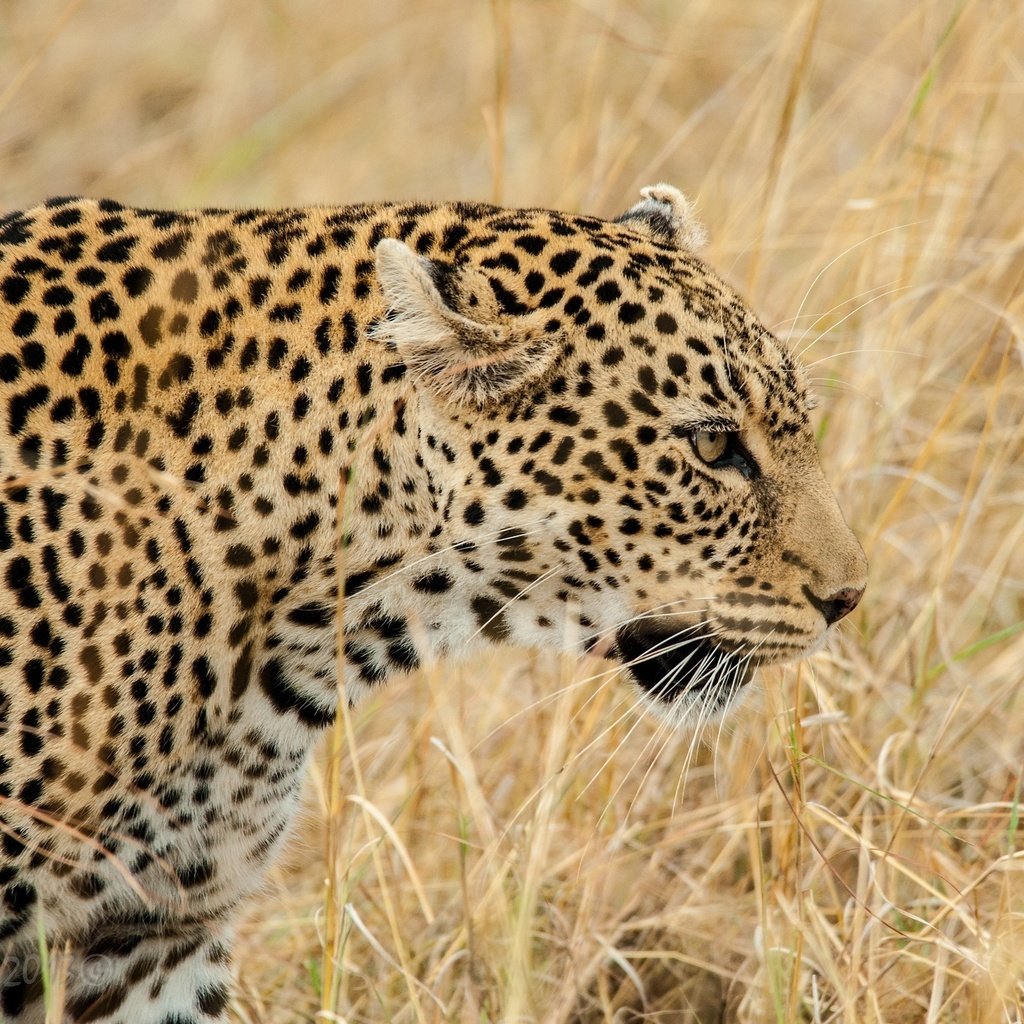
{"x":847,"y":848}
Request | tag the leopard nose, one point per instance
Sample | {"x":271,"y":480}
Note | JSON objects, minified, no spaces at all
{"x":839,"y":605}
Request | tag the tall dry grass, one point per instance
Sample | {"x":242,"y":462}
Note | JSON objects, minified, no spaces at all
{"x":506,"y":841}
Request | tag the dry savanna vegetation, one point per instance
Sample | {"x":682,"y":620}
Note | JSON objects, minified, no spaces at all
{"x":510,"y":839}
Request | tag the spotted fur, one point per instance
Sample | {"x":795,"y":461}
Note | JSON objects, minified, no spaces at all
{"x":225,"y":432}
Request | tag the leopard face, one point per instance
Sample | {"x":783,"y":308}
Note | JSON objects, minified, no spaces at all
{"x":242,"y":450}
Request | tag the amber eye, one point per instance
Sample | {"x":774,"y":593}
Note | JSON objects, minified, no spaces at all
{"x":722,"y":449}
{"x":710,"y":445}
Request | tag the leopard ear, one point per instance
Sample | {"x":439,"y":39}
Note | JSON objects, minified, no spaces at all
{"x":667,"y":216}
{"x":444,"y":322}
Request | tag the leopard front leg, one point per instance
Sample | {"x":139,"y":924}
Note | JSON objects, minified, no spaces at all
{"x":124,"y":976}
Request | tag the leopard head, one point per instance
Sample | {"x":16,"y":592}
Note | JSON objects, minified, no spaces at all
{"x":633,"y":464}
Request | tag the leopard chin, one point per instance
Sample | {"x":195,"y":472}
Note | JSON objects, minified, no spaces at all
{"x":675,"y":667}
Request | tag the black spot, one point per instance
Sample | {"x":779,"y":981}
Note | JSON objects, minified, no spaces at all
{"x":209,"y":323}
{"x":22,"y":404}
{"x":33,"y":355}
{"x":58,"y":295}
{"x":615,"y":415}
{"x":303,"y":527}
{"x":116,"y":345}
{"x":185,"y":287}
{"x":172,"y":247}
{"x":195,"y":874}
{"x":250,"y":355}
{"x":65,"y":218}
{"x":15,"y":288}
{"x":626,"y":453}
{"x":666,"y":324}
{"x":150,"y":325}
{"x":533,"y":244}
{"x":647,"y":380}
{"x":594,"y":461}
{"x":247,"y":593}
{"x":594,"y":270}
{"x":19,"y":897}
{"x":300,"y":369}
{"x":102,"y":307}
{"x":211,"y":1000}
{"x":238,"y":556}
{"x":88,"y":886}
{"x":117,"y":250}
{"x":91,"y":276}
{"x":314,"y":615}
{"x":329,"y":284}
{"x":710,"y":377}
{"x":298,"y":280}
{"x":10,"y":368}
{"x":204,"y":676}
{"x":630,"y":312}
{"x":551,"y":484}
{"x":181,"y":421}
{"x":278,"y":350}
{"x":507,"y":300}
{"x":534,"y":282}
{"x":563,"y":262}
{"x":452,"y":236}
{"x":677,"y":364}
{"x":285,"y":311}
{"x":19,"y":579}
{"x":643,"y":404}
{"x":24,"y":324}
{"x":64,"y":322}
{"x":437,"y":582}
{"x":30,"y":450}
{"x":357,"y":581}
{"x":259,"y":288}
{"x":342,"y":237}
{"x":490,"y":618}
{"x":563,"y":414}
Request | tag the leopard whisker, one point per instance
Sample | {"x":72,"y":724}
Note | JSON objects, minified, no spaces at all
{"x":853,"y":312}
{"x":637,"y":708}
{"x":632,"y":707}
{"x":813,"y":317}
{"x":844,"y":253}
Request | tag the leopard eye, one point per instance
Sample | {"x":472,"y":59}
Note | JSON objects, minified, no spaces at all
{"x":722,"y":449}
{"x":709,"y":445}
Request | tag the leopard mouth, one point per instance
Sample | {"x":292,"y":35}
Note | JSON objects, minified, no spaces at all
{"x":670,"y":665}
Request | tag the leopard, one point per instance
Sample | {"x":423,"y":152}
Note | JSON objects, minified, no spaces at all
{"x":256,"y":463}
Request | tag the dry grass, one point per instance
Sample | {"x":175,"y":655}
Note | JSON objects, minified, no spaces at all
{"x":508,"y":848}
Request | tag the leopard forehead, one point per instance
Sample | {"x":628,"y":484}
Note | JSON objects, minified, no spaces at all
{"x":649,"y":307}
{"x":617,"y":293}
